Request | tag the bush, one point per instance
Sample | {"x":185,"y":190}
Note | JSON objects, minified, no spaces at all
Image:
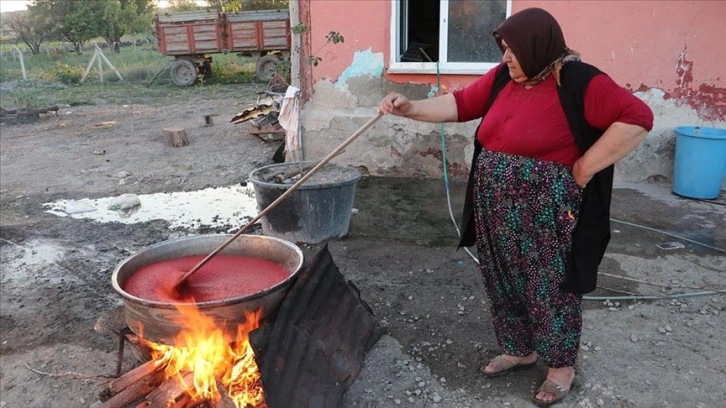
{"x":64,"y":73}
{"x":22,"y":99}
{"x":139,"y":74}
{"x":231,"y":70}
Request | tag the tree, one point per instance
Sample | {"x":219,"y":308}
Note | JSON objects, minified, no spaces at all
{"x":73,"y":21}
{"x":120,"y":17}
{"x":183,"y":5}
{"x":28,"y":28}
{"x":80,"y":21}
{"x":239,"y":5}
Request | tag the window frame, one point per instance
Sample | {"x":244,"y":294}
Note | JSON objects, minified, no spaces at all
{"x":456,"y":68}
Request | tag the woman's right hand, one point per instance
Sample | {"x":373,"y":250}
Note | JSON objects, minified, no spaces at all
{"x":436,"y":110}
{"x":395,"y":103}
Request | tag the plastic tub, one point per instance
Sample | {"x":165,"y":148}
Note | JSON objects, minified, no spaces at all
{"x":318,"y":210}
{"x":700,"y":163}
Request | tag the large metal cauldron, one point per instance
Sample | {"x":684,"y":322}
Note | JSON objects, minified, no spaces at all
{"x":157,"y":321}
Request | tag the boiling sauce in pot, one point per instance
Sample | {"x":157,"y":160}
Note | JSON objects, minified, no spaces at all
{"x":223,"y":277}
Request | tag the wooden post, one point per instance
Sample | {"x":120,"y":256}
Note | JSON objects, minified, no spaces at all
{"x":295,"y":72}
{"x":88,"y":67}
{"x":175,"y":136}
{"x":110,"y":65}
{"x":208,"y":121}
{"x":98,"y":54}
{"x":100,"y":66}
{"x":22,"y":63}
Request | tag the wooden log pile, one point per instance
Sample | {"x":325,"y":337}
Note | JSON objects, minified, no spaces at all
{"x":146,"y":387}
{"x":15,"y":116}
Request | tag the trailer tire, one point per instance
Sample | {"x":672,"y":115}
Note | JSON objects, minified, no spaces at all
{"x":265,"y":67}
{"x":183,"y":72}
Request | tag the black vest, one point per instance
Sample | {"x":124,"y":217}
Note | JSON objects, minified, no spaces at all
{"x":592,"y":232}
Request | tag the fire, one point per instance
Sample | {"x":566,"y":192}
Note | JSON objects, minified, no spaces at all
{"x":207,"y":352}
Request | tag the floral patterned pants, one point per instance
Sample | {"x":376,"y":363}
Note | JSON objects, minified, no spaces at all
{"x":526,"y":211}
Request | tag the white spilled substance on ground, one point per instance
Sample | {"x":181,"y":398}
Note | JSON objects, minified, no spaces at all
{"x":215,"y":207}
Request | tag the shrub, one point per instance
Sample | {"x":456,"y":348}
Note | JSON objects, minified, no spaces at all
{"x":231,"y":71}
{"x":139,"y":74}
{"x":23,"y":99}
{"x":64,"y":73}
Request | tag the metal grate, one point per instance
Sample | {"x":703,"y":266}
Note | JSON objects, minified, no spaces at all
{"x":312,"y":352}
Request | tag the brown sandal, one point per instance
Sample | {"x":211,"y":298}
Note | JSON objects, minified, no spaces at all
{"x":505,"y":365}
{"x":550,"y":387}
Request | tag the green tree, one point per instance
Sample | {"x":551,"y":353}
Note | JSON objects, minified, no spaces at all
{"x":120,"y":17}
{"x":79,"y":21}
{"x":183,"y":5}
{"x":29,"y":28}
{"x":239,"y":5}
{"x":73,"y":21}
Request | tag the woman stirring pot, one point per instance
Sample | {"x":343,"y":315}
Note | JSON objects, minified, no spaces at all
{"x":538,"y":201}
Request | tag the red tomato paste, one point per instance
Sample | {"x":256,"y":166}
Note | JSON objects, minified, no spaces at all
{"x":222,"y":277}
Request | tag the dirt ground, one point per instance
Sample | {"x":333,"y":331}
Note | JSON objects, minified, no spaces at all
{"x":400,"y":252}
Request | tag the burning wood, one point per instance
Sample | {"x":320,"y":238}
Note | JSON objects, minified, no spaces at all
{"x":226,"y":401}
{"x":204,"y":367}
{"x":171,"y":393}
{"x":147,"y":387}
{"x":134,"y":391}
{"x":140,"y":374}
{"x":310,"y":354}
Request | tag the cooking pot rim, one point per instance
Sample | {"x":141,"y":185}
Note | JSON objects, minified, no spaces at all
{"x":210,"y":304}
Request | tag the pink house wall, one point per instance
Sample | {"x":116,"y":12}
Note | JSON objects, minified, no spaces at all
{"x":675,"y":46}
{"x":363,"y":23}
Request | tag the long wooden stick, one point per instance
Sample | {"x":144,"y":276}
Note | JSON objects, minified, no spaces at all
{"x":279,"y":199}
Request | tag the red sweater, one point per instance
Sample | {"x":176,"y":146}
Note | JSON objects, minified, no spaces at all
{"x":532,"y":123}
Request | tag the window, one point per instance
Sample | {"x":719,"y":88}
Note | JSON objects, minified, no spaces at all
{"x":454,"y":33}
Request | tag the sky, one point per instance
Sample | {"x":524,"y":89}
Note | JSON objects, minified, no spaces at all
{"x":12,"y":5}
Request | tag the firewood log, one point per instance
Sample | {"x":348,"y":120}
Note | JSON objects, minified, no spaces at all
{"x":170,"y":392}
{"x":125,"y":381}
{"x":135,"y":391}
{"x":225,"y":401}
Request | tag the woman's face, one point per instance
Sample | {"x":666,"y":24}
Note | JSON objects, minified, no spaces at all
{"x":515,"y":70}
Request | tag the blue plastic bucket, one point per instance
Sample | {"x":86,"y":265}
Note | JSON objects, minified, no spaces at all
{"x":700,"y":164}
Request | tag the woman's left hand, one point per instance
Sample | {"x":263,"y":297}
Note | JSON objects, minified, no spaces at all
{"x":618,"y":140}
{"x":581,"y":178}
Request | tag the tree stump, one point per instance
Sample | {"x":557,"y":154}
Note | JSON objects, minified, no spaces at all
{"x":175,"y":136}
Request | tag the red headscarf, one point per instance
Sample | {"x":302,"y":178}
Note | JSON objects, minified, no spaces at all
{"x":535,"y":38}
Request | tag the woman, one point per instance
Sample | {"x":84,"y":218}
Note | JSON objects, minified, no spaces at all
{"x":539,"y":192}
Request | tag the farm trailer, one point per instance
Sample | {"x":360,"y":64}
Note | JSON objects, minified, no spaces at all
{"x":191,"y":36}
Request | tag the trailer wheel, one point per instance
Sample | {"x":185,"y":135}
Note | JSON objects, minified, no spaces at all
{"x":183,"y":72}
{"x":266,"y":67}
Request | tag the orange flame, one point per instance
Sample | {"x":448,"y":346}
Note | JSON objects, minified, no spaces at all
{"x":207,"y":351}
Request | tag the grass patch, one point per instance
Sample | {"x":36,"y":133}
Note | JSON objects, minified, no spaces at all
{"x":54,"y":77}
{"x":39,"y":94}
{"x":231,"y":69}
